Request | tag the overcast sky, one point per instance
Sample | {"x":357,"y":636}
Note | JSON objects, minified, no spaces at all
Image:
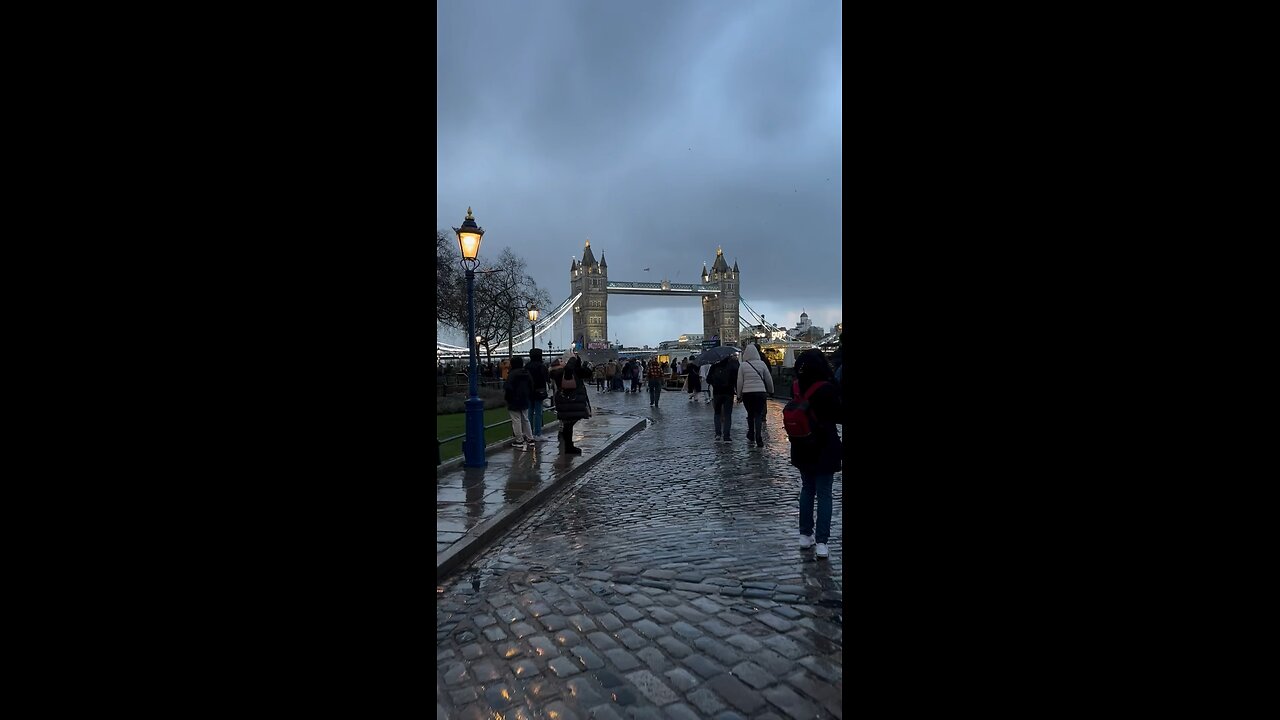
{"x":658,"y":129}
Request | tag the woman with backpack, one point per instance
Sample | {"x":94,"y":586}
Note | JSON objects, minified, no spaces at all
{"x":817,"y":453}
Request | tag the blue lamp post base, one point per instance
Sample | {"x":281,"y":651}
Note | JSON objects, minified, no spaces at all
{"x":473,"y":449}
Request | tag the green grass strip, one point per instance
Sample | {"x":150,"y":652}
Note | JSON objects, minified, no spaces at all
{"x":455,"y":424}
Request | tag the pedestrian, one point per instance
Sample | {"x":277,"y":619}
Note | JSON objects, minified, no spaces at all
{"x":517,"y":390}
{"x":837,"y":361}
{"x":722,"y":377}
{"x":655,"y":382}
{"x":572,"y":401}
{"x":754,"y":385}
{"x":706,"y":386}
{"x":598,"y":371}
{"x":817,"y":458}
{"x":693,"y":381}
{"x":505,"y":368}
{"x":764,"y":416}
{"x":610,"y":371}
{"x":636,"y":372}
{"x":538,"y":376}
{"x":553,"y":377}
{"x":625,"y":372}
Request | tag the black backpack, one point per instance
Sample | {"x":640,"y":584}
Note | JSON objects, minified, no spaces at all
{"x":720,"y":376}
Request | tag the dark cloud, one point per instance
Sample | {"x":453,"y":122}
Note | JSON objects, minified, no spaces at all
{"x":660,"y":130}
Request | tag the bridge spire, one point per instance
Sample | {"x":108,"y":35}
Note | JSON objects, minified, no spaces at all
{"x":720,"y":266}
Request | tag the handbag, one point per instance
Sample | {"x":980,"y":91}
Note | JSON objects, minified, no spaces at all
{"x":568,"y":383}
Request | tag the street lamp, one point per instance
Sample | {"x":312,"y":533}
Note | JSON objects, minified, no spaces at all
{"x":533,"y":329}
{"x":469,"y":236}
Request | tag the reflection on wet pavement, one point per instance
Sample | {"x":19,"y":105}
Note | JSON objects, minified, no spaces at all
{"x":666,"y":582}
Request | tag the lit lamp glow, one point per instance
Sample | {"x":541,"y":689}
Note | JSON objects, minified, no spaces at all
{"x":533,"y":323}
{"x":469,"y":236}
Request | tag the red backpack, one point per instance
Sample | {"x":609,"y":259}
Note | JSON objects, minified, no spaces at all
{"x":797,"y":417}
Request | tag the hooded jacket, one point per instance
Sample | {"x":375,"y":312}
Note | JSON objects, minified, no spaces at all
{"x":518,"y":389}
{"x":537,"y":373}
{"x":753,"y":374}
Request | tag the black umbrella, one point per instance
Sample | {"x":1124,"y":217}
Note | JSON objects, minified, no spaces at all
{"x":716,"y":354}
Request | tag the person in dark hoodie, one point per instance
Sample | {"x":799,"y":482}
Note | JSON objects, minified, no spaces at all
{"x":538,"y":376}
{"x":518,"y":392}
{"x":818,"y":456}
{"x":722,"y":377}
{"x":572,"y":403}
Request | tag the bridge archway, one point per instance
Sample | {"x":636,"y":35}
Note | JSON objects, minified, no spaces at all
{"x":719,"y":291}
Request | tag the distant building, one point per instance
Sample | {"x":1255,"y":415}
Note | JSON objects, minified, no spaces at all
{"x":768,"y":332}
{"x":685,"y":341}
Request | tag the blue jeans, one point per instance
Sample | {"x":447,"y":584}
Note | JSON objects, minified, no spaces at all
{"x":535,"y":415}
{"x":809,"y":486}
{"x":723,"y":405}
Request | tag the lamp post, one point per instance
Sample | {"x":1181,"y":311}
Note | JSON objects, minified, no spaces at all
{"x":469,"y":236}
{"x":533,"y":326}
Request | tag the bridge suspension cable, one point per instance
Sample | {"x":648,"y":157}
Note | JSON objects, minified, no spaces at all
{"x":758,"y":317}
{"x":445,"y":350}
{"x":545,"y":326}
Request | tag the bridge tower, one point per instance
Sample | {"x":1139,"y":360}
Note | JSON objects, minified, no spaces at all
{"x":720,"y":313}
{"x":590,"y":314}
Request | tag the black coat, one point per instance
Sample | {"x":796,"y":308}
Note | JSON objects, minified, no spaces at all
{"x":823,"y":456}
{"x":538,"y":376}
{"x":573,"y":404}
{"x":517,"y":390}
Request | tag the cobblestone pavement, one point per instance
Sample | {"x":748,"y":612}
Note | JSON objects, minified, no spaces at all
{"x":665,"y":582}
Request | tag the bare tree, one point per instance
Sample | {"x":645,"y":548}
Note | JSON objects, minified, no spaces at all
{"x":503,"y":292}
{"x":451,"y":300}
{"x":503,"y":298}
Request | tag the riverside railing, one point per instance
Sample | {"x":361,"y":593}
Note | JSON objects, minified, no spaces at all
{"x":452,"y":438}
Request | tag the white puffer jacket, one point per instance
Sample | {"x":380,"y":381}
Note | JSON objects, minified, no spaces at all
{"x":753,"y":373}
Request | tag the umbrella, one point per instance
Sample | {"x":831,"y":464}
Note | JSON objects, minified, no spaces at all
{"x":716,"y":354}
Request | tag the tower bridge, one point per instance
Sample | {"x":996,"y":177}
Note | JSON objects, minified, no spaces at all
{"x":589,"y":280}
{"x":724,"y":311}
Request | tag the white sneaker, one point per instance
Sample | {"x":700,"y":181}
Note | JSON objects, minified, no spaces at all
{"x":521,"y":446}
{"x":821,"y":550}
{"x":806,"y":541}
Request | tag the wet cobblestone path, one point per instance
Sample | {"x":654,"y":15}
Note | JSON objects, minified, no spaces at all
{"x":665,"y":583}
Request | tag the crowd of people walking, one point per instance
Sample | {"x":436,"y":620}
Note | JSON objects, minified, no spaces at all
{"x":810,"y":418}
